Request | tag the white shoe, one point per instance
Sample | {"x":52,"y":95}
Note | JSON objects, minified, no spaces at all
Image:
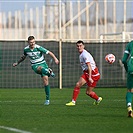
{"x":47,"y":102}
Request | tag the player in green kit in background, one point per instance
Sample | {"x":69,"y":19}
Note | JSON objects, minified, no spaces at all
{"x":127,"y":60}
{"x":38,"y":63}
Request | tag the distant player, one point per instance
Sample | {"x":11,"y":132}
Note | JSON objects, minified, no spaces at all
{"x":127,"y":60}
{"x":90,"y":75}
{"x":38,"y":63}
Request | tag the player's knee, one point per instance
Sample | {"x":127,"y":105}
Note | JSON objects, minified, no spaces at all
{"x":132,"y":90}
{"x":39,"y":69}
{"x":78,"y":84}
{"x":45,"y":80}
{"x":88,"y":93}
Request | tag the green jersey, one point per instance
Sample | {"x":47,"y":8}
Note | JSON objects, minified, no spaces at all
{"x":36,"y":55}
{"x":128,"y":58}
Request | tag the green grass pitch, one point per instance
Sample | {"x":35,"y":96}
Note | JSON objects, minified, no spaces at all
{"x":23,"y":109}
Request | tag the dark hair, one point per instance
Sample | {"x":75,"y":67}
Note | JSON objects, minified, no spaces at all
{"x":31,"y":38}
{"x":80,"y":42}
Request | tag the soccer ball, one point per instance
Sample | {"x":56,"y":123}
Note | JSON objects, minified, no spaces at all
{"x":110,"y":58}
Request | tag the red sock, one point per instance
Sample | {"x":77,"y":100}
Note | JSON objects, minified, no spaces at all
{"x":75,"y":93}
{"x":93,"y":95}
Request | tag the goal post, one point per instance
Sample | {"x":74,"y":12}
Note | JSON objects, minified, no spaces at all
{"x":23,"y":76}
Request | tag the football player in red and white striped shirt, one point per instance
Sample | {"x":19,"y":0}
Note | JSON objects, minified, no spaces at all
{"x":90,"y":75}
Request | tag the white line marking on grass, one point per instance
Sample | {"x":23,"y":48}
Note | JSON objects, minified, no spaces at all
{"x":14,"y":129}
{"x":39,"y":101}
{"x":5,"y":101}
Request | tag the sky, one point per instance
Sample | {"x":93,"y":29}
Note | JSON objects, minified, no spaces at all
{"x":15,"y":5}
{"x":12,"y":5}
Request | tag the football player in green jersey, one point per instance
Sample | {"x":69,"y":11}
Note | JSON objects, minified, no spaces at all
{"x":127,"y":60}
{"x":38,"y":63}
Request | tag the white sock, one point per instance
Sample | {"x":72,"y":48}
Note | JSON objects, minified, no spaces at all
{"x":73,"y":101}
{"x":128,"y":104}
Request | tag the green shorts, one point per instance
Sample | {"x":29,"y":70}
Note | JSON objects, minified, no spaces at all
{"x":35,"y":67}
{"x":129,"y":81}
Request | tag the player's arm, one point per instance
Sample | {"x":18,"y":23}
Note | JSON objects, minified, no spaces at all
{"x":125,"y":57}
{"x":90,"y":72}
{"x":20,"y":60}
{"x":54,"y":57}
{"x":124,"y":61}
{"x":45,"y":51}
